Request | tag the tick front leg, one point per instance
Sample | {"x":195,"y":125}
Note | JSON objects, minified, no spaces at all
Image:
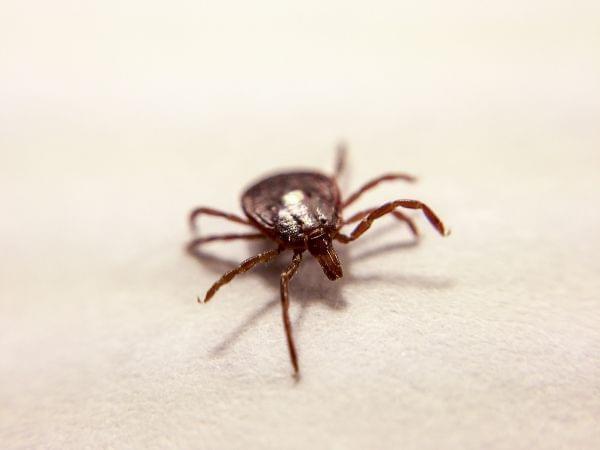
{"x":243,"y":267}
{"x":214,"y":212}
{"x":285,"y":306}
{"x":397,"y":214}
{"x":373,"y":183}
{"x":387,"y":208}
{"x":195,"y":243}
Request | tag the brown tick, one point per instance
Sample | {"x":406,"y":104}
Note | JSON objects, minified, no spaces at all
{"x":302,"y":211}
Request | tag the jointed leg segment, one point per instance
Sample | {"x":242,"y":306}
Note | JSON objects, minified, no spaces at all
{"x":221,"y":237}
{"x":397,"y":214}
{"x":243,"y":267}
{"x":371,"y":184}
{"x":387,"y":208}
{"x":340,"y":163}
{"x":285,"y":306}
{"x":214,"y":212}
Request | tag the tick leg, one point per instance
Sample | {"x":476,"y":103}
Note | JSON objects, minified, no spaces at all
{"x":340,"y":162}
{"x":243,"y":267}
{"x":214,"y":212}
{"x":387,"y":208}
{"x":222,"y":237}
{"x":285,"y":306}
{"x":397,"y":214}
{"x":371,"y":184}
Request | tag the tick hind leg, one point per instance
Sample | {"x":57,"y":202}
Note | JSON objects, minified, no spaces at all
{"x":340,"y":161}
{"x":397,"y":214}
{"x":285,"y":306}
{"x":387,"y":208}
{"x":195,"y":243}
{"x":375,"y":182}
{"x":214,"y":212}
{"x":243,"y":267}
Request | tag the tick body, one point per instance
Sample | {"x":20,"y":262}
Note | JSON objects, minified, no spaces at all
{"x":303,"y":212}
{"x":299,"y":211}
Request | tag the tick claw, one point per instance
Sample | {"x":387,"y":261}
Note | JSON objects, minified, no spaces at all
{"x":296,"y":376}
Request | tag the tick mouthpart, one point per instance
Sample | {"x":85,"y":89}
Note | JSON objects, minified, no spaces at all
{"x":331,"y":265}
{"x":316,"y":234}
{"x":321,"y":248}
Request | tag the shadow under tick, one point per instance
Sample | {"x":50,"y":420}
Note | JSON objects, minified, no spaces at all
{"x":311,"y":288}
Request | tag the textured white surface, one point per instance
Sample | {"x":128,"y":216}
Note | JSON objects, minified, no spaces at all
{"x":117,"y":118}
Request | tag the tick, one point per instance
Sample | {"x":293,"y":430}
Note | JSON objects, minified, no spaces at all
{"x":304,"y":212}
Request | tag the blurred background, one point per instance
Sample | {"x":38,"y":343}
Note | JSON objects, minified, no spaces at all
{"x":118,"y":117}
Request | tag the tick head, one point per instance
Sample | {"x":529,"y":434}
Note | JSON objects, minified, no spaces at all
{"x":320,"y":246}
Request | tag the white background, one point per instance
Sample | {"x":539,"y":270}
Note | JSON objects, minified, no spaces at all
{"x":116,"y":118}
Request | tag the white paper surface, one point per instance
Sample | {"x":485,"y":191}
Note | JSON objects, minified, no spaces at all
{"x":116,"y":119}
